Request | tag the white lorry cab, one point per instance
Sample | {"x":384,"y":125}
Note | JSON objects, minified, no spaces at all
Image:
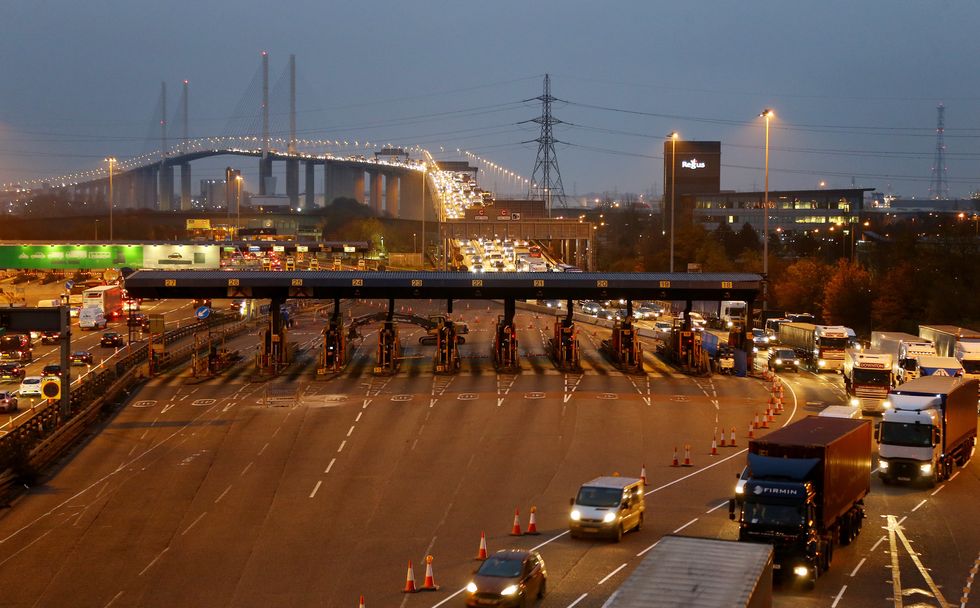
{"x":607,"y":506}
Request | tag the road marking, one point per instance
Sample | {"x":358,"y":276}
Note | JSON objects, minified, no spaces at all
{"x":202,"y":402}
{"x":342,"y":444}
{"x":684,"y":526}
{"x":150,"y":565}
{"x":856,"y":568}
{"x":642,"y":553}
{"x":315,"y":488}
{"x":953,"y":476}
{"x":923,"y":571}
{"x":350,"y":430}
{"x":145,"y":403}
{"x":699,"y":471}
{"x":25,"y":547}
{"x":553,"y":538}
{"x":611,"y":574}
{"x":580,"y":598}
{"x":114,"y":598}
{"x":875,"y":546}
{"x":330,"y":466}
{"x":936,"y":491}
{"x":263,"y":448}
{"x":716,"y":507}
{"x":245,"y":470}
{"x":896,"y":572}
{"x":500,"y":401}
{"x":358,"y":419}
{"x":839,"y":594}
{"x":448,"y":598}
{"x":193,"y":523}
{"x":916,"y":507}
{"x":222,"y":495}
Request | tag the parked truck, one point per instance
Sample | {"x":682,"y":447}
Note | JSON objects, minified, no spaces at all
{"x":805,"y":491}
{"x":929,"y":426}
{"x":867,"y":378}
{"x":699,"y":573}
{"x":959,"y":342}
{"x":905,"y":349}
{"x":820,"y":347}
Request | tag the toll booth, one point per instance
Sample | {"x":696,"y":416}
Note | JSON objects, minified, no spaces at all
{"x":389,"y":350}
{"x":505,"y":340}
{"x":333,"y":353}
{"x":446,"y":359}
{"x":273,"y":355}
{"x":686,"y":350}
{"x":564,"y":344}
{"x":624,"y":347}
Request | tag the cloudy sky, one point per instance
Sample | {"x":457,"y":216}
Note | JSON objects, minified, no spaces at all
{"x":855,"y":84}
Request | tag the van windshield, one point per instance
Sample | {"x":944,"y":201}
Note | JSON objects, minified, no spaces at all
{"x":599,"y":497}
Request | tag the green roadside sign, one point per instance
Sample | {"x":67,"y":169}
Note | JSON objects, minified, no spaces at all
{"x":87,"y":257}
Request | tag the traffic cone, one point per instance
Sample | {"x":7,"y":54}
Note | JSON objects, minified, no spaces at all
{"x":643,"y":474}
{"x":755,"y":422}
{"x":516,"y":530}
{"x":675,"y":462}
{"x":751,"y":435}
{"x":765,"y":423}
{"x":482,"y":553}
{"x":732,"y":443}
{"x":687,"y":455}
{"x":429,"y":584}
{"x":532,"y":524}
{"x":410,"y":580}
{"x":361,"y":603}
{"x":714,"y":446}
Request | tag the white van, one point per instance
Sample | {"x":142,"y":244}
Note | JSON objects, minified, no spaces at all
{"x":91,"y":317}
{"x":607,"y":506}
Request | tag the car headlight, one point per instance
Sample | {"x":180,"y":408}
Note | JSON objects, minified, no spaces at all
{"x":608,"y":517}
{"x":801,"y":571}
{"x":886,"y":404}
{"x":883,"y":465}
{"x":471,"y":587}
{"x":575,"y":515}
{"x":755,"y":349}
{"x":796,"y":361}
{"x":779,"y":361}
{"x":740,"y":489}
{"x":855,"y":402}
{"x":509,"y":590}
{"x":822,"y":363}
{"x":926,"y":469}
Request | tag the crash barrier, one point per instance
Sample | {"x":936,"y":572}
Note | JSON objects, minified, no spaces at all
{"x":49,"y":430}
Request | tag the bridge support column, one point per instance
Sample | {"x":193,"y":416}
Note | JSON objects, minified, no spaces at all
{"x":309,"y":199}
{"x":357,"y":184}
{"x":340,"y":183}
{"x":411,"y":196}
{"x":292,"y":182}
{"x":391,"y":194}
{"x":564,"y":344}
{"x":185,"y":187}
{"x":166,"y":187}
{"x":505,"y":340}
{"x":375,"y":188}
{"x":265,"y":176}
{"x":389,"y":348}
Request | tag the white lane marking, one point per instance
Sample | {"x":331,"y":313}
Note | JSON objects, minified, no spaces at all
{"x":880,"y":540}
{"x":611,"y":574}
{"x":699,"y":471}
{"x":350,"y":430}
{"x":684,"y":526}
{"x":839,"y":594}
{"x":448,"y":598}
{"x":358,"y":419}
{"x":193,"y":523}
{"x":936,"y":491}
{"x":858,"y":567}
{"x":953,"y":476}
{"x":916,"y":507}
{"x":716,"y":507}
{"x":150,"y":565}
{"x":580,"y":598}
{"x":644,"y":552}
{"x":114,"y":598}
{"x":222,"y":495}
{"x":24,"y":548}
{"x":342,"y":444}
{"x":245,"y":470}
{"x":904,"y":517}
{"x":553,"y":538}
{"x":315,"y":488}
{"x":263,"y":448}
{"x":330,"y":466}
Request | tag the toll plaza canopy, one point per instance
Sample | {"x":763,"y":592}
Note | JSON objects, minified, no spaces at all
{"x":324,"y":284}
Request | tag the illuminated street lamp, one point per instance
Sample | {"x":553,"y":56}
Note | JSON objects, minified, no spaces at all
{"x":112,"y":161}
{"x":673,"y":166}
{"x":767,"y":114}
{"x":238,"y":206}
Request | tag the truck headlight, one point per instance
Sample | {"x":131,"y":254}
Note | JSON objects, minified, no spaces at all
{"x":740,"y":489}
{"x":509,"y":590}
{"x":855,"y":402}
{"x":926,"y":469}
{"x":886,"y":404}
{"x":779,"y":361}
{"x":471,"y":587}
{"x":821,"y":363}
{"x":575,"y":515}
{"x":608,"y":517}
{"x":796,"y":362}
{"x":801,"y":571}
{"x":883,"y":465}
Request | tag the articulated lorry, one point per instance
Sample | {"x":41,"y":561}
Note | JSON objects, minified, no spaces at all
{"x":930,"y":425}
{"x":905,"y":349}
{"x":959,"y":342}
{"x":698,"y":573}
{"x":867,"y":378}
{"x":821,"y":347}
{"x":805,"y":491}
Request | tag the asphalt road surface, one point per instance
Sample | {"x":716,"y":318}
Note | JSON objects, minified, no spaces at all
{"x":311,"y":492}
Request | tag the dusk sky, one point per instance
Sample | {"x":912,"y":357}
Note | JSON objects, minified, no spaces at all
{"x":855,"y":85}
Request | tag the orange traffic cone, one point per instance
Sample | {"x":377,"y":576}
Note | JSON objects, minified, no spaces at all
{"x":675,"y":462}
{"x":714,"y":446}
{"x":482,"y":553}
{"x":770,"y":414}
{"x":755,"y":423}
{"x":361,"y":603}
{"x":532,"y":525}
{"x":687,"y":455}
{"x":751,"y":435}
{"x":643,"y":474}
{"x":765,"y":422}
{"x":429,"y":584}
{"x":410,"y":580}
{"x":732,"y":443}
{"x":516,"y":530}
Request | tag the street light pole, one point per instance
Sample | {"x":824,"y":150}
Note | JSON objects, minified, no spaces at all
{"x":111,"y":160}
{"x":238,"y":208}
{"x":767,"y":114}
{"x":673,"y":169}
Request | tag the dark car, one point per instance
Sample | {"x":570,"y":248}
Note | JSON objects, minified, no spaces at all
{"x":760,"y":341}
{"x":50,"y":337}
{"x":783,"y":359}
{"x":508,"y":578}
{"x":12,"y":372}
{"x":8,"y":402}
{"x":80,"y":357}
{"x":51,"y":369}
{"x":111,"y":339}
{"x":139,"y":320}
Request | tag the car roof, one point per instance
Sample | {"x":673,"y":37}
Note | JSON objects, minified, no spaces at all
{"x":32,"y":379}
{"x":515,"y":554}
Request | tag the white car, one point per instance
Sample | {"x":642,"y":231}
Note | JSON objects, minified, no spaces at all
{"x":30,"y":386}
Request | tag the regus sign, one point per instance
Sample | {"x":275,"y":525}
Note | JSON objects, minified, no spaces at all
{"x":693,"y":164}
